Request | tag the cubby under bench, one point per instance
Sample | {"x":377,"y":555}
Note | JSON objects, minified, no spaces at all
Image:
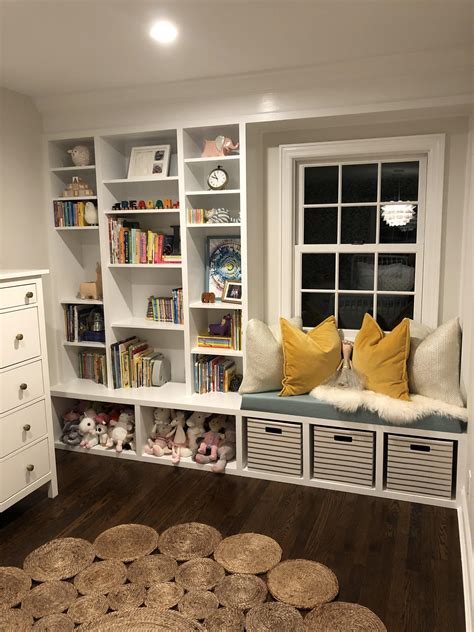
{"x":310,"y":442}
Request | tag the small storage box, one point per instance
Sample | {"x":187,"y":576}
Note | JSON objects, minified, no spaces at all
{"x":419,"y":465}
{"x":274,"y":446}
{"x":343,"y":455}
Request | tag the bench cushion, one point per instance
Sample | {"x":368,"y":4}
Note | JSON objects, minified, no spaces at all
{"x":307,"y":406}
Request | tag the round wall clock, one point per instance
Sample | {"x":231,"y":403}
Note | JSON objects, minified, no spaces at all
{"x":218,"y":179}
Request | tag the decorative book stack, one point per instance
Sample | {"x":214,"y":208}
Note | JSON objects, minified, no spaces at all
{"x":227,"y":335}
{"x":213,"y":374}
{"x":166,"y":310}
{"x":129,"y":244}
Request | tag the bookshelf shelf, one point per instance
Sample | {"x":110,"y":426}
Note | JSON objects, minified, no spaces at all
{"x":218,"y":305}
{"x":212,"y":159}
{"x":91,"y":345}
{"x":209,"y":192}
{"x":145,"y":323}
{"x":217,"y":352}
{"x":210,"y":225}
{"x":163,"y":266}
{"x":74,"y":199}
{"x":151,"y":212}
{"x":76,"y":228}
{"x":81,"y":301}
{"x":141,"y":179}
{"x":72,"y":169}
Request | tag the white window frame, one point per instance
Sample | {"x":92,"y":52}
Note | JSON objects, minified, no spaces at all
{"x":430,"y":149}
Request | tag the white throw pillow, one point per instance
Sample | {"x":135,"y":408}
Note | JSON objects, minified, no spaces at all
{"x":264,"y":357}
{"x":434,"y":362}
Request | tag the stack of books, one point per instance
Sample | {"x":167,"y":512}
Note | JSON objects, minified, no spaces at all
{"x":166,"y":310}
{"x":129,"y":244}
{"x":92,"y":366}
{"x":196,"y":216}
{"x":78,"y":323}
{"x":69,"y":214}
{"x":213,"y":374}
{"x":233,"y":341}
{"x":132,"y":363}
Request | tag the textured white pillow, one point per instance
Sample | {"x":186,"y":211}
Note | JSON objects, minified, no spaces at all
{"x":433,"y":365}
{"x":264,"y":356}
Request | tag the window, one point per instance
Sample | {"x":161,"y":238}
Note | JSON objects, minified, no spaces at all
{"x":349,"y":248}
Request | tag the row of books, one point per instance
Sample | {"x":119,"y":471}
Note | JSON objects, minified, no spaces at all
{"x":165,"y":309}
{"x":129,"y":244}
{"x":133,"y":362}
{"x":213,"y":374}
{"x":69,"y":214}
{"x":92,"y":366}
{"x":231,"y":341}
{"x":196,"y":216}
{"x":78,"y":323}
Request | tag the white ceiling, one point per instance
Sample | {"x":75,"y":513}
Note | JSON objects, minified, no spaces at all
{"x":61,"y":46}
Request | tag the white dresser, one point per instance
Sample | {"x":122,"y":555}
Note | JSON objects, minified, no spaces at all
{"x":27,"y":458}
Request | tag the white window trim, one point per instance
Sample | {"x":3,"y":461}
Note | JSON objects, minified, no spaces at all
{"x":432,"y":146}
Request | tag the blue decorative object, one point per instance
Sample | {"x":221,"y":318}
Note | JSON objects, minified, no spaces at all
{"x":223,"y":263}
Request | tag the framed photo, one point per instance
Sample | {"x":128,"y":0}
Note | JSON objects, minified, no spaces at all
{"x":232,"y":292}
{"x":152,"y":162}
{"x":223,"y":263}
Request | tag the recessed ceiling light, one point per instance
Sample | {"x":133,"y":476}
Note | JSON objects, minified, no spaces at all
{"x":164,"y":32}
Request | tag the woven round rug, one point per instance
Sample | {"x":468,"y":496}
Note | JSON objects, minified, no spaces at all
{"x":142,"y":620}
{"x":49,"y":598}
{"x":152,"y":569}
{"x":14,"y":584}
{"x":88,"y":608}
{"x":164,"y":595}
{"x":241,"y":591}
{"x":200,"y":573}
{"x":15,"y":619}
{"x":302,"y":583}
{"x":341,"y":617}
{"x":251,"y":553}
{"x":59,"y":559}
{"x":54,"y":623}
{"x":191,"y":539}
{"x":225,"y":620}
{"x":101,"y":577}
{"x":198,"y":604}
{"x":127,"y":597}
{"x":126,"y":542}
{"x":274,"y":617}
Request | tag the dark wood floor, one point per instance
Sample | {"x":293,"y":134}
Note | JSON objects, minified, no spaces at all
{"x":401,"y":560}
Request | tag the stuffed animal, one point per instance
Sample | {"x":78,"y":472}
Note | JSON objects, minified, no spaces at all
{"x":178,"y":447}
{"x":225,"y":451}
{"x":70,"y":433}
{"x":102,"y":433}
{"x":121,"y":431}
{"x":159,"y":442}
{"x":195,"y":430}
{"x":88,"y":432}
{"x":209,"y":444}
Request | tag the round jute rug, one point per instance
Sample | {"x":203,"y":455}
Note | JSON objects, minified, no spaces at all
{"x":200,"y":573}
{"x":225,"y":620}
{"x":59,"y":559}
{"x":142,"y":620}
{"x":152,"y":569}
{"x":101,"y":577}
{"x":54,"y":623}
{"x":302,"y":583}
{"x":14,"y":584}
{"x":241,"y":591}
{"x":191,"y":539}
{"x":341,"y":617}
{"x":51,"y":597}
{"x":251,"y":553}
{"x":274,"y":617}
{"x":126,"y":542}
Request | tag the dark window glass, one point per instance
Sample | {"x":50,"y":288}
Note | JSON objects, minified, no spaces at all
{"x":315,"y":307}
{"x":320,"y":226}
{"x":359,"y":183}
{"x":396,"y":272}
{"x":397,"y":234}
{"x":321,"y":185}
{"x":352,"y":308}
{"x":318,"y":271}
{"x":391,"y":310}
{"x":358,"y":224}
{"x":356,"y":271}
{"x":399,"y":181}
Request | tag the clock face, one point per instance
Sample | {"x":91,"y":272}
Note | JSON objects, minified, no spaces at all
{"x":217,"y":179}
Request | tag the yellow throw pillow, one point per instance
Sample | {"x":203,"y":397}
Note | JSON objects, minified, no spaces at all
{"x":309,"y":359}
{"x":382,"y":359}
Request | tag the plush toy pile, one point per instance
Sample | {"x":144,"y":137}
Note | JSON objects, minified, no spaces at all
{"x":205,"y":437}
{"x":90,"y":424}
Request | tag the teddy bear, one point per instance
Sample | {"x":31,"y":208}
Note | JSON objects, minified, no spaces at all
{"x":87,"y":430}
{"x":159,"y":442}
{"x":210,"y":441}
{"x":178,"y":446}
{"x":121,"y":431}
{"x":195,"y":430}
{"x":225,"y":451}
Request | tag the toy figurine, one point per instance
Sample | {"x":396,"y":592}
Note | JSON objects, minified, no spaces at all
{"x":208,"y":297}
{"x":150,"y":204}
{"x":220,"y":146}
{"x":133,"y":205}
{"x":179,"y":447}
{"x":222,"y":328}
{"x":80,"y":155}
{"x":121,"y":431}
{"x":124,"y":205}
{"x":176,"y":204}
{"x":117,"y":206}
{"x":168,"y":203}
{"x":345,"y":376}
{"x":88,"y":431}
{"x":195,"y":430}
{"x":159,"y":443}
{"x":210,"y":441}
{"x":159,"y":204}
{"x":90,"y":214}
{"x":142,"y":205}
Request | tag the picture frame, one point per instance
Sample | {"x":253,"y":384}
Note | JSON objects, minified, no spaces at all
{"x":223,"y":263}
{"x":151,"y":161}
{"x":232,"y":292}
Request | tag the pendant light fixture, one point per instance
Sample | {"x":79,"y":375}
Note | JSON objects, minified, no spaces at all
{"x":398,"y":213}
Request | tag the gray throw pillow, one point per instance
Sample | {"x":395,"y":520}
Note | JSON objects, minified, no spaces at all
{"x":264,"y":356}
{"x":434,"y":361}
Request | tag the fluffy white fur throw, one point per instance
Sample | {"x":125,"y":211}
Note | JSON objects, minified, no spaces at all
{"x":394,"y":410}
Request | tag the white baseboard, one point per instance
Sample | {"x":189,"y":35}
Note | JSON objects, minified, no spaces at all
{"x":467,"y":560}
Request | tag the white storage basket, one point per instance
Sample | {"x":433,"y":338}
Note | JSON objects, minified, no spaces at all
{"x":274,"y":446}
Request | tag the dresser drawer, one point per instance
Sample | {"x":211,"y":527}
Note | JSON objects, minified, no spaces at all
{"x":23,"y":468}
{"x":343,"y":455}
{"x":274,"y":447}
{"x":420,"y":465}
{"x":18,"y":295}
{"x":20,"y":338}
{"x":21,"y":385}
{"x":22,"y":427}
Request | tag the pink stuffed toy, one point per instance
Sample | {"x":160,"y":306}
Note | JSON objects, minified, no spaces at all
{"x":210,"y":443}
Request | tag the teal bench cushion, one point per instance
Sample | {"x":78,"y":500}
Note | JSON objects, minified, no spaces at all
{"x":306,"y":406}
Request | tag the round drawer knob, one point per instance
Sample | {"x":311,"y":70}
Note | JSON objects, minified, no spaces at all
{"x":19,"y":336}
{"x":26,"y":427}
{"x":23,"y":386}
{"x":29,"y":295}
{"x":30,"y":467}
